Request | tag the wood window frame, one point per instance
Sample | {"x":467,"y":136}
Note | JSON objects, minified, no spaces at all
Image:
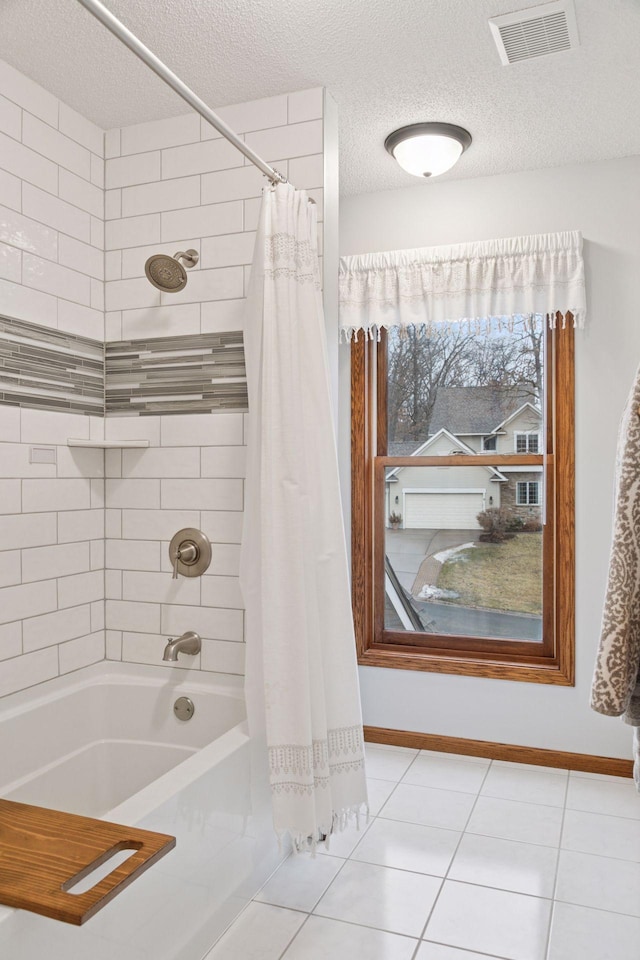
{"x":484,"y":657}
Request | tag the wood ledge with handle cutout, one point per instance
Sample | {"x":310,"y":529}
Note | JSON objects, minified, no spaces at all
{"x":45,"y":853}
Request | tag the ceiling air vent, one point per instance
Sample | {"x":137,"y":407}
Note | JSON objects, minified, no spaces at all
{"x":535,"y":32}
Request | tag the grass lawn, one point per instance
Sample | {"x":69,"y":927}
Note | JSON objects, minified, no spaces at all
{"x":500,"y":576}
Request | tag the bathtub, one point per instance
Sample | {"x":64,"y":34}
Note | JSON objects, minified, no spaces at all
{"x":105,"y":742}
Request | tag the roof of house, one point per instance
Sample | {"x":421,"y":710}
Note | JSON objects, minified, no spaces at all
{"x":475,"y":410}
{"x":458,"y":446}
{"x":403,"y":448}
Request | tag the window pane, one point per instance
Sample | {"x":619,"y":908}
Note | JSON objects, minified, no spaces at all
{"x":463,"y":550}
{"x":456,"y":391}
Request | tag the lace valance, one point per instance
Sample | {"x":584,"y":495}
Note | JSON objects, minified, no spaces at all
{"x":488,"y":284}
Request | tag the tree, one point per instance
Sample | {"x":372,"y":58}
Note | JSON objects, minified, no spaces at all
{"x":419,"y":364}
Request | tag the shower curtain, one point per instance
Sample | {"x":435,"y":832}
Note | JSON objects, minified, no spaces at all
{"x":301,"y":674}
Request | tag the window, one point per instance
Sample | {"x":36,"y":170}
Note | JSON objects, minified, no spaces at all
{"x":527,"y":442}
{"x":527,"y":493}
{"x":475,"y":574}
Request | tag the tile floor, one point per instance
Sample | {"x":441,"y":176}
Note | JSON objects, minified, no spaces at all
{"x":462,"y":859}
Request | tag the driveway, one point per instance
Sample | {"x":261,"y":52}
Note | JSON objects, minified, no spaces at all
{"x":447,"y":619}
{"x":408,"y":549}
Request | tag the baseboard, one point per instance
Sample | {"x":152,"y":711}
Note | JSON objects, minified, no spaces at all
{"x":584,"y":762}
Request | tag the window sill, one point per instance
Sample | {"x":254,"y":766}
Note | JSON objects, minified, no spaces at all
{"x":535,"y":670}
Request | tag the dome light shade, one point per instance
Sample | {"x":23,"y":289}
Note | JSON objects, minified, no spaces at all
{"x":428,"y":149}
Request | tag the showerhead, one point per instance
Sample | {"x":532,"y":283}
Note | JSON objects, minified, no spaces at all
{"x":167,"y":273}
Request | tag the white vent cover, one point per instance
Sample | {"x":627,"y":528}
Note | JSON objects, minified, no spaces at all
{"x":535,"y":32}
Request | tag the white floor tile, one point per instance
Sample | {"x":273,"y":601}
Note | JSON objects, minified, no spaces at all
{"x":495,"y":903}
{"x":455,"y":756}
{"x":412,"y":751}
{"x":601,"y":835}
{"x":578,"y":933}
{"x":512,"y":820}
{"x":344,"y":843}
{"x":408,"y":846}
{"x":599,"y":882}
{"x":601,"y":796}
{"x":379,"y":793}
{"x":433,"y":808}
{"x":392,"y":900}
{"x":529,"y":766}
{"x":261,"y":932}
{"x":490,"y":921}
{"x":436,"y":951}
{"x":446,"y":774}
{"x":582,"y":775}
{"x":387,"y":763}
{"x":530,"y":786}
{"x":321,"y":939}
{"x":506,"y":864}
{"x":300,"y":881}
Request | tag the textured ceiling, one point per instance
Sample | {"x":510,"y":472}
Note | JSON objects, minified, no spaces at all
{"x":386,"y":63}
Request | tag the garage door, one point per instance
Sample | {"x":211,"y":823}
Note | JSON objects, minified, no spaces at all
{"x":442,"y":511}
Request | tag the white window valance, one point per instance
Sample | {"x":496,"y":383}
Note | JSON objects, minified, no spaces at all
{"x":488,"y":284}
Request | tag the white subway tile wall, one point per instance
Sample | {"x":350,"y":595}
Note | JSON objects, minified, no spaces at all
{"x":67,"y":216}
{"x":51,"y":541}
{"x":51,"y":170}
{"x":177,"y":185}
{"x":51,"y":523}
{"x":196,"y":461}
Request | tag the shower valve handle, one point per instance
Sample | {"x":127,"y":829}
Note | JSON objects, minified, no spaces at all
{"x":187,"y":553}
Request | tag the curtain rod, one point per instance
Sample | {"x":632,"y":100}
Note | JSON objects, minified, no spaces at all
{"x":129,"y":39}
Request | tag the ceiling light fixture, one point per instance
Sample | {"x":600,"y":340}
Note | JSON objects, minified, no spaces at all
{"x":428,"y":149}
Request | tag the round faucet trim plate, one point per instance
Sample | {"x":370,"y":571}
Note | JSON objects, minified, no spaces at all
{"x":189,"y":552}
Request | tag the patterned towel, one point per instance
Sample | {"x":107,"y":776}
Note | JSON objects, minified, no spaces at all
{"x":616,"y":683}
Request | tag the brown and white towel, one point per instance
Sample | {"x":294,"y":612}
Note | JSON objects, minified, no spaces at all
{"x":615,"y":689}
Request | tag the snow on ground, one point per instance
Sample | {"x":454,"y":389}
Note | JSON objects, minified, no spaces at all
{"x":445,"y":555}
{"x":429,"y":592}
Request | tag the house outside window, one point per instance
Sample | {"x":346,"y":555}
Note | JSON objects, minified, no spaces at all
{"x":527,"y":442}
{"x":489,"y":443}
{"x":528,"y":493}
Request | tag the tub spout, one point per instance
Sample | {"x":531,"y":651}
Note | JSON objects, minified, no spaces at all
{"x":189,"y":643}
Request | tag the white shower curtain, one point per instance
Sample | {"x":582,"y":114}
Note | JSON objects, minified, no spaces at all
{"x":301,"y":674}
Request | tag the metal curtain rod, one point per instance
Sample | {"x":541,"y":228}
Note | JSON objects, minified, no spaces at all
{"x":129,"y":39}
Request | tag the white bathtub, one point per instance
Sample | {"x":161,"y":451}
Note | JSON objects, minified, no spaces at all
{"x":104,"y":742}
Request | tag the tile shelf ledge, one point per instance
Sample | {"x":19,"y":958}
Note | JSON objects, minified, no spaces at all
{"x":107,"y":444}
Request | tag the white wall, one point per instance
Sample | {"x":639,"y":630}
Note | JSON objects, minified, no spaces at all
{"x":51,"y":210}
{"x":169,"y":185}
{"x":176,"y":183}
{"x":51,"y":273}
{"x":190,"y":476}
{"x":172,"y":185}
{"x":603,"y":201}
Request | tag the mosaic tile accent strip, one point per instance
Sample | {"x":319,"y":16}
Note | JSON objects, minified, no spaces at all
{"x":199,"y":373}
{"x":46,"y":369}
